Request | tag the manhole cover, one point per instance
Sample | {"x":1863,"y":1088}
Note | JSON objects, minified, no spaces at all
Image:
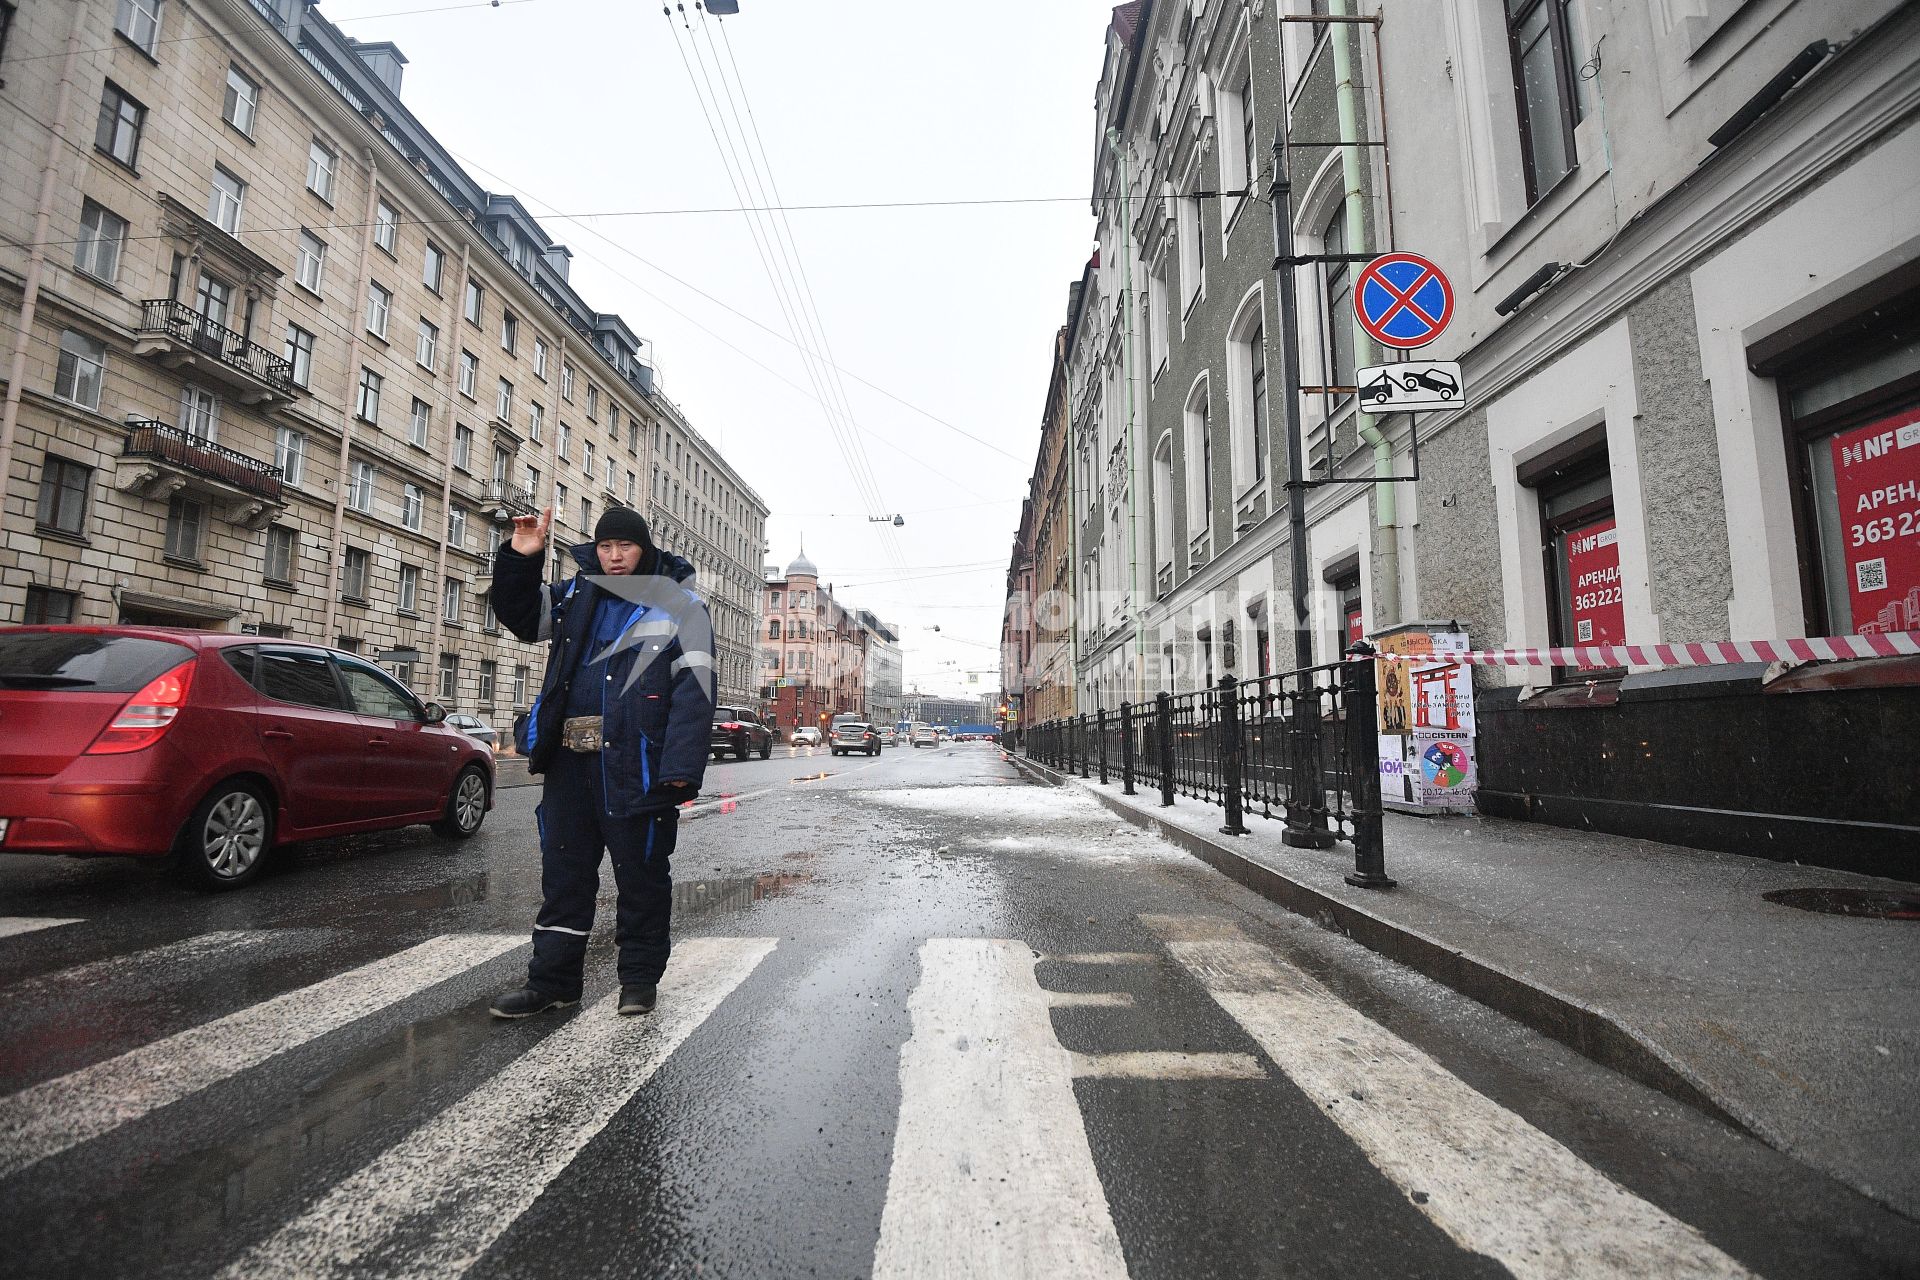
{"x":1876,"y":904}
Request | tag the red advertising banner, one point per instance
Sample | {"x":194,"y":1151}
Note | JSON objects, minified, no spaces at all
{"x":1591,"y":562}
{"x":1356,"y":625}
{"x":1876,"y":475}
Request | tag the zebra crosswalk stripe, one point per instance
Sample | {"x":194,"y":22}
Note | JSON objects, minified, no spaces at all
{"x":156,"y":961}
{"x":454,"y":1185}
{"x":992,"y":1174}
{"x":1494,"y":1183}
{"x":14,"y":926}
{"x":52,"y":1116}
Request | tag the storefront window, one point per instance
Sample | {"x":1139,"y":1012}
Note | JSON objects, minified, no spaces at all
{"x":1586,"y":600}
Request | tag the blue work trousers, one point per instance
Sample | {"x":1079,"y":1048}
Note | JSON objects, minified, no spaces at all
{"x":575,"y":828}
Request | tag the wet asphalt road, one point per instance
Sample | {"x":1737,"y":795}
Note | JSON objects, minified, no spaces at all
{"x":924,"y":1018}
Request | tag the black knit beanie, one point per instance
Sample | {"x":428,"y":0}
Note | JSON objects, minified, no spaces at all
{"x":623,"y":524}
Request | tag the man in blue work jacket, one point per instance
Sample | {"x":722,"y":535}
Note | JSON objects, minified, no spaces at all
{"x":620,"y":732}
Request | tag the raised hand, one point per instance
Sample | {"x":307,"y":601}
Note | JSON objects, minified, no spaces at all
{"x":530,"y":533}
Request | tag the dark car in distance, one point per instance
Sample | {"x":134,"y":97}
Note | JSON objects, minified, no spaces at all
{"x":217,"y":748}
{"x":741,"y":732}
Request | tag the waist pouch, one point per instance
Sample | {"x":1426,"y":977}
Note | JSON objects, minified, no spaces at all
{"x":582,"y":733}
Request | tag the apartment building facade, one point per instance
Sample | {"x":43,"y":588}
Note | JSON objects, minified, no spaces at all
{"x":1682,"y":237}
{"x":278,"y":363}
{"x":820,"y":656}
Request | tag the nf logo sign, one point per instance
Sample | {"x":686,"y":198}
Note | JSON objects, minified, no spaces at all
{"x":1402,"y":300}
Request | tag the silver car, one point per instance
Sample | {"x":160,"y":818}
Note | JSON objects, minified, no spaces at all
{"x":474,"y":727}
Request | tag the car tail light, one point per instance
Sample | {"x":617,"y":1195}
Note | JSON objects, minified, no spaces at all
{"x":147,"y":714}
{"x":731,"y":724}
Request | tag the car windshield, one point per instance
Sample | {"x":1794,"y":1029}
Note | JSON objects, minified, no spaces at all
{"x":728,"y":713}
{"x":84,"y":660}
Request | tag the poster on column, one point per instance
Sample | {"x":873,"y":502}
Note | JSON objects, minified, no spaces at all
{"x":1426,"y":720}
{"x":1876,"y":478}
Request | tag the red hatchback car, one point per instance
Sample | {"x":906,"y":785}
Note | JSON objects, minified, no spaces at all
{"x":216,"y":748}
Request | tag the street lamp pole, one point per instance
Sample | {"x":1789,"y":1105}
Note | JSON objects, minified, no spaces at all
{"x":1280,"y":200}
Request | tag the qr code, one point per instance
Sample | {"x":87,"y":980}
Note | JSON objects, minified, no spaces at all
{"x":1870,"y":575}
{"x":1584,"y":631}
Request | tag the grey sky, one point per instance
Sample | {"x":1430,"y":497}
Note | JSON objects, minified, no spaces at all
{"x":585,"y":106}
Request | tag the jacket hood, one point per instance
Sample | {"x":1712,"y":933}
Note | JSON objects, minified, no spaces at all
{"x":676,"y":567}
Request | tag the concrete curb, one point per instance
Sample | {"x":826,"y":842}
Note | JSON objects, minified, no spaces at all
{"x":1588,"y":1031}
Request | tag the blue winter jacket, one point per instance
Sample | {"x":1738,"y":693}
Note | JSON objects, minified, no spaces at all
{"x":658,"y":729}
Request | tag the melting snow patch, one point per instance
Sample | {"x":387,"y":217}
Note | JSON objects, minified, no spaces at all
{"x":995,"y":803}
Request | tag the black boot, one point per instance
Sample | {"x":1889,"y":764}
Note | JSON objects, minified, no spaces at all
{"x":637,"y":999}
{"x":526,"y":1002}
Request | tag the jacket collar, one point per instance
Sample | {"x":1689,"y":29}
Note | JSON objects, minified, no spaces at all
{"x":676,"y":567}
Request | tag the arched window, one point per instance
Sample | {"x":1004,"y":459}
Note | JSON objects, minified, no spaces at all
{"x":1162,"y":498}
{"x":1339,"y":301}
{"x":1199,"y":461}
{"x":1247,"y":392}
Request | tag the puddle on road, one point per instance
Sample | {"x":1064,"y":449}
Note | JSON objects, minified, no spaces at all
{"x":733,"y":893}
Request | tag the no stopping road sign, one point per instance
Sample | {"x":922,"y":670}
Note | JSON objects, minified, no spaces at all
{"x":1402,"y":300}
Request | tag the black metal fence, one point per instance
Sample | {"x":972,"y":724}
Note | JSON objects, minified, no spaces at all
{"x":1300,"y":747}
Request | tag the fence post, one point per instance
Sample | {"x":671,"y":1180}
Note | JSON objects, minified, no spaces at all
{"x":1231,"y":749}
{"x":1126,"y":749}
{"x":1163,"y":719}
{"x":1086,"y":756}
{"x":1306,"y":787}
{"x":1357,"y":684}
{"x":1100,"y":740}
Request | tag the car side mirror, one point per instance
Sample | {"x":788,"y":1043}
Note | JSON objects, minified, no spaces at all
{"x":436,"y":714}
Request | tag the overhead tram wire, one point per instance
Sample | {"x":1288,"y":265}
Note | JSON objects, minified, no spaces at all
{"x":805,"y":317}
{"x":771,"y":186}
{"x":783,"y":294}
{"x":545,"y":211}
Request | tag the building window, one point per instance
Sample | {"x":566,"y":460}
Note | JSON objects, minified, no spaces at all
{"x":1157,"y":324}
{"x":566,"y":382}
{"x":321,"y":161}
{"x":449,"y":675}
{"x":419,"y":421}
{"x":773,"y":629}
{"x":213,"y":298}
{"x":360,"y":491}
{"x":432,"y":266}
{"x":450,"y":600}
{"x":63,"y":496}
{"x":520,"y":675}
{"x":502,"y":463}
{"x":586,"y":460}
{"x":103,"y":234}
{"x":426,"y":348}
{"x":593,"y":403}
{"x":1162,"y":499}
{"x":469,"y":374}
{"x":535,"y":417}
{"x":117,"y":132}
{"x":413,"y":505}
{"x":565,"y":444}
{"x":489,"y":621}
{"x":586,"y":513}
{"x":82,"y":368}
{"x":386,"y":225}
{"x":503,"y":401}
{"x":1856,"y":448}
{"x":540,"y":359}
{"x":139,"y":21}
{"x":353,"y":574}
{"x":476,"y":301}
{"x":47,"y":607}
{"x":199,"y":412}
{"x":290,"y":454}
{"x":1547,"y":89}
{"x":1337,"y":299}
{"x":485,"y":690}
{"x":509,"y":332}
{"x":185,"y":518}
{"x":310,"y":261}
{"x":463,"y":446}
{"x":299,"y":354}
{"x":1187,"y":231}
{"x":379,"y":308}
{"x":1585,"y":598}
{"x":242,"y":101}
{"x":366,"y":404}
{"x":409,"y":588}
{"x":1199,"y":463}
{"x":632,"y":487}
{"x":457,"y":527}
{"x":282,"y":547}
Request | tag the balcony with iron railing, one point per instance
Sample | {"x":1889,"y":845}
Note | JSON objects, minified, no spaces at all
{"x":510,"y":500}
{"x":159,"y":460}
{"x":179,"y":336}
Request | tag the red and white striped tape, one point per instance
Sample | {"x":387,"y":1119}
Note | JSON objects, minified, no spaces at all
{"x":1889,"y":644}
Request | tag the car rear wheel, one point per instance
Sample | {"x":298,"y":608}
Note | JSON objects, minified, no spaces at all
{"x":740,"y":748}
{"x":225,"y":842}
{"x":766,"y":749}
{"x":466,"y":807}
